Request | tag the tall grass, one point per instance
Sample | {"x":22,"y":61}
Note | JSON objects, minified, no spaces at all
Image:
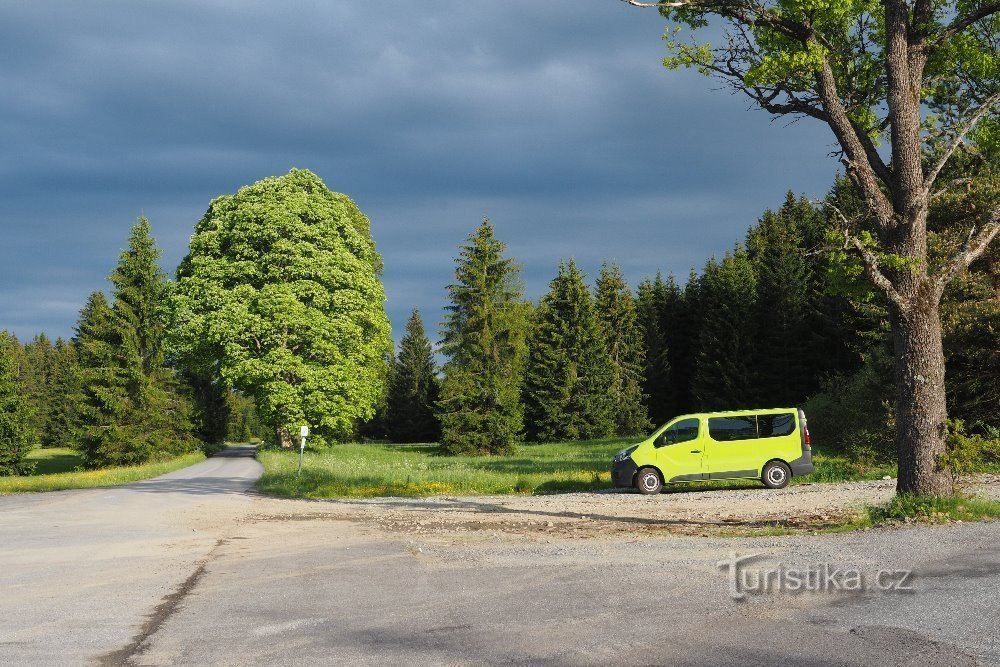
{"x":362,"y":471}
{"x":85,"y":479}
{"x":369,"y":470}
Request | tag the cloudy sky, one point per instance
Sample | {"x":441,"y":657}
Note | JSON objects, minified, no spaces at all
{"x":552,"y":117}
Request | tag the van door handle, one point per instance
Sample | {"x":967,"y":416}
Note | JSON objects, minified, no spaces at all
{"x":696,"y":451}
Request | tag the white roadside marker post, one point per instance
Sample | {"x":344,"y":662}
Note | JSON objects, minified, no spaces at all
{"x":304,"y":431}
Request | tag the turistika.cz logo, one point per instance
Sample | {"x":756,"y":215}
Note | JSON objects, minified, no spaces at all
{"x":811,"y":578}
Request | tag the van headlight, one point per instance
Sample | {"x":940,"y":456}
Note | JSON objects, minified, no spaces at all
{"x":624,"y":454}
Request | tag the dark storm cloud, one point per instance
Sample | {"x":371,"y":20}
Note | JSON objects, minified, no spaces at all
{"x":552,"y":117}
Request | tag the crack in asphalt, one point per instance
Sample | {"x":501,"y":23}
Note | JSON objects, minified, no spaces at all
{"x":170,"y":605}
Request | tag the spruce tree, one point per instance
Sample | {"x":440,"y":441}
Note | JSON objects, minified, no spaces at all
{"x":36,"y":372}
{"x":678,"y":321}
{"x":783,"y":354}
{"x":569,"y":380}
{"x":413,"y":388}
{"x":17,"y":432}
{"x":723,"y":377}
{"x":107,"y":429}
{"x":65,"y":398}
{"x":159,"y":394}
{"x":657,"y":384}
{"x":623,"y":340}
{"x":483,"y":341}
{"x":136,"y":407}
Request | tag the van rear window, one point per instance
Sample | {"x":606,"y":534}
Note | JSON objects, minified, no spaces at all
{"x":724,"y":429}
{"x":774,"y":426}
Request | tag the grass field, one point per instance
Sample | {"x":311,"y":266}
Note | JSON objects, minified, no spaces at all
{"x":56,"y":471}
{"x":55,"y":460}
{"x":369,"y":470}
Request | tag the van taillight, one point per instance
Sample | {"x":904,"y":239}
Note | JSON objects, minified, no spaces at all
{"x":805,"y":432}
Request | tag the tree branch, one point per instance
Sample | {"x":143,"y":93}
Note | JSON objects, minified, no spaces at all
{"x":959,"y":138}
{"x":971,"y":250}
{"x":963,"y":22}
{"x":667,"y":5}
{"x":869,"y":259}
{"x":864,"y":166}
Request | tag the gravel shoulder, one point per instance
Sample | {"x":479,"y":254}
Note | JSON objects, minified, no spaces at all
{"x":710,"y":512}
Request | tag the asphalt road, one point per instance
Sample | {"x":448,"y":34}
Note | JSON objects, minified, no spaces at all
{"x":190,"y":569}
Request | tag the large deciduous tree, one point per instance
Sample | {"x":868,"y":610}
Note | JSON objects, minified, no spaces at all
{"x":917,"y":74}
{"x":281,"y":297}
{"x":484,"y":341}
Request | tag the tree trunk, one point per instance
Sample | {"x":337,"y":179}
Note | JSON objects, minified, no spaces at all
{"x":921,"y":410}
{"x":284,"y":438}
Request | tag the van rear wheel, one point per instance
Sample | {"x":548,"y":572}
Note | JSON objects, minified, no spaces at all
{"x":775,"y":475}
{"x":648,"y":481}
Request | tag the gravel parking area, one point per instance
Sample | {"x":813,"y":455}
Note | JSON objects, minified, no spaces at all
{"x":709,"y":512}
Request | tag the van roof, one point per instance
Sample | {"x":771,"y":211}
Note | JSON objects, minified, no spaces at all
{"x":737,"y":413}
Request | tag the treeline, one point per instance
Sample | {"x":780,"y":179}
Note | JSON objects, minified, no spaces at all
{"x":276,"y":319}
{"x":759,"y":327}
{"x":110,"y":391}
{"x":780,"y":320}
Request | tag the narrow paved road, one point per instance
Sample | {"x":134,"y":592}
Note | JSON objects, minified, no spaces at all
{"x":190,"y":569}
{"x":80,"y":570}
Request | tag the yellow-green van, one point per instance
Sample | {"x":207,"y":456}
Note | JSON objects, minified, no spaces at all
{"x":771,"y":445}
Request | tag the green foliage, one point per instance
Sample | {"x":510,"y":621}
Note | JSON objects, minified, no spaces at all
{"x":36,"y":372}
{"x":910,"y":508}
{"x":769,"y":52}
{"x":64,"y":397}
{"x":569,"y":384}
{"x":970,"y":309}
{"x":724,"y":377}
{"x":659,"y":383}
{"x":413,"y":388}
{"x":106,"y":429}
{"x":484,"y":342}
{"x":967,"y":453}
{"x":800,"y":330}
{"x":244,"y":423}
{"x":134,"y":407}
{"x":852,"y":412}
{"x":211,"y":414}
{"x":17,"y":433}
{"x":624,"y":341}
{"x":280,"y":296}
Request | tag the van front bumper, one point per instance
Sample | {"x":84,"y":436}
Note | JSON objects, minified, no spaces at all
{"x":623,"y":473}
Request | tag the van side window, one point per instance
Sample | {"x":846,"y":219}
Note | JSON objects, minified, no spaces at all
{"x":682,"y":431}
{"x":774,"y":426}
{"x":724,"y":429}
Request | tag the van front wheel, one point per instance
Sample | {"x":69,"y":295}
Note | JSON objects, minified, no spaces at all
{"x":775,"y":475}
{"x":648,"y":481}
